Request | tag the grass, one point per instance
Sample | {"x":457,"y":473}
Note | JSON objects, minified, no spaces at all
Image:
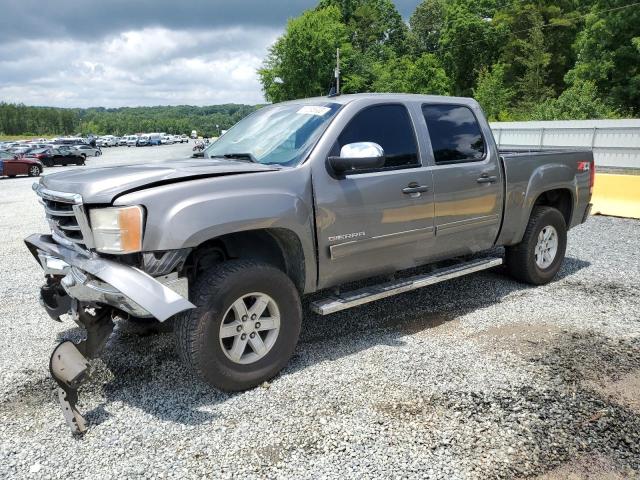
{"x":13,"y":138}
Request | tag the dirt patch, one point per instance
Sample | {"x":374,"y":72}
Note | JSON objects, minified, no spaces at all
{"x":589,"y":468}
{"x":609,"y":292}
{"x":624,"y":391}
{"x":521,"y":338}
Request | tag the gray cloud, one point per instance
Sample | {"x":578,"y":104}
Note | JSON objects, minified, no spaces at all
{"x":147,"y":52}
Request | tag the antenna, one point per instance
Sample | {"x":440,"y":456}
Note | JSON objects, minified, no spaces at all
{"x":337,"y":71}
{"x":335,"y":85}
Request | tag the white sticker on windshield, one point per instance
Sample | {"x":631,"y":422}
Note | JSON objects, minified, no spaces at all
{"x":313,"y":110}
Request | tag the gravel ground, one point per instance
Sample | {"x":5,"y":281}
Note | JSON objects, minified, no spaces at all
{"x":480,"y":377}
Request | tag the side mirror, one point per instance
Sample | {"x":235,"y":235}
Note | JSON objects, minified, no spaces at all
{"x":358,"y":156}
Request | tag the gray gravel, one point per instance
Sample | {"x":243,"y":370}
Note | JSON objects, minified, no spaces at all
{"x":480,"y":377}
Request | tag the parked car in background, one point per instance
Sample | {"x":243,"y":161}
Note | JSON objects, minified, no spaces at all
{"x":122,"y":141}
{"x":61,"y":155}
{"x":108,"y":141}
{"x":194,"y":134}
{"x":68,"y":141}
{"x":168,"y":140}
{"x":184,"y":138}
{"x":143,"y":140}
{"x":155,"y":139}
{"x":88,"y":150}
{"x":132,"y":140}
{"x":12,"y":165}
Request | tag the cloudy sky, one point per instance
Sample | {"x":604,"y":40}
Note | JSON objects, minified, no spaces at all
{"x":80,"y":53}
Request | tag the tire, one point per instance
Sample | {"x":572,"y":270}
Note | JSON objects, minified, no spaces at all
{"x":524,"y":263}
{"x":198,"y":331}
{"x":34,"y":171}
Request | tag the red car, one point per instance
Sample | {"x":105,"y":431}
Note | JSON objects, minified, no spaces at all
{"x":11,"y":165}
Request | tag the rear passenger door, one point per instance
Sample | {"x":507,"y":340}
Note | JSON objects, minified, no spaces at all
{"x":467,"y":180}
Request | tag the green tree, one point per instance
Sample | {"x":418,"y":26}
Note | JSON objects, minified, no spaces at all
{"x":492,"y":92}
{"x":372,"y":25}
{"x":469,"y":41}
{"x":608,"y":56}
{"x":301,"y":62}
{"x":579,"y":102}
{"x":404,"y":74}
{"x":427,"y":22}
{"x":534,"y":58}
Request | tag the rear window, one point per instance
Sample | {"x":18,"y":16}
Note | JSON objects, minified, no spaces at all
{"x":454,"y":132}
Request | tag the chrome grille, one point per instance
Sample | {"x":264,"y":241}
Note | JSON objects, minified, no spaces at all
{"x":65,"y":214}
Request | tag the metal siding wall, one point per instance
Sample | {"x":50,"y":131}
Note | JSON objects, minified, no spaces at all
{"x":615,"y":143}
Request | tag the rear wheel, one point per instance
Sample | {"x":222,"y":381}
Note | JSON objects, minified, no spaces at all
{"x":34,"y":171}
{"x":245,"y":327}
{"x":539,"y":256}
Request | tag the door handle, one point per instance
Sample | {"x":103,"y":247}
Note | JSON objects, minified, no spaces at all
{"x":413,"y":187}
{"x":486,"y":178}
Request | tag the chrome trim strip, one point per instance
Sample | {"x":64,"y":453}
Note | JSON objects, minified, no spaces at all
{"x":83,"y":223}
{"x":377,"y":292}
{"x":352,"y":247}
{"x":461,"y":225}
{"x":58,"y":213}
{"x":57,"y":196}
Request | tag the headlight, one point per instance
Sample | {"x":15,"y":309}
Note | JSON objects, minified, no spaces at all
{"x":117,"y":229}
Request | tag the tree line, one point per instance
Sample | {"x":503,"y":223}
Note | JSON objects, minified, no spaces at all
{"x":522,"y":60}
{"x":18,"y":119}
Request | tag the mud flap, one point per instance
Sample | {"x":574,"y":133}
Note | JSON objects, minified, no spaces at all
{"x":69,"y":363}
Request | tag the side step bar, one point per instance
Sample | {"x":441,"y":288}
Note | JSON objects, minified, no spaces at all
{"x":376,"y":292}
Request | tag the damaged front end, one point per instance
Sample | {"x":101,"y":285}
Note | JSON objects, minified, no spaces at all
{"x":93,"y":290}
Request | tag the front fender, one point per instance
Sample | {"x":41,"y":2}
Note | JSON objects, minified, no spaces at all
{"x":186,"y":214}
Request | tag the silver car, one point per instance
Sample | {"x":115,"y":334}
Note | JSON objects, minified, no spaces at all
{"x":88,"y":150}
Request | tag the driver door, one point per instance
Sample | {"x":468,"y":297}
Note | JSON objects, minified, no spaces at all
{"x":374,"y":221}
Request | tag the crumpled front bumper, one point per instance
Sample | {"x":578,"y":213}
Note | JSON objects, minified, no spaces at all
{"x":93,"y":279}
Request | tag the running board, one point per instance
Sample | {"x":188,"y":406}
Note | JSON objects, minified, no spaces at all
{"x":376,"y":292}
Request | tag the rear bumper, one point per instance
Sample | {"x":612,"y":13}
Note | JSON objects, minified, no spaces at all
{"x":96,"y":280}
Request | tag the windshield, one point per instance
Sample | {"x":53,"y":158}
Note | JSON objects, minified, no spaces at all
{"x":278,"y":134}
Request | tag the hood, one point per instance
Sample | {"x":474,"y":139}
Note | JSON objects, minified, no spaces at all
{"x":102,"y":185}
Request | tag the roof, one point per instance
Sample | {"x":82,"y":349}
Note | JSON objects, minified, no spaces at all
{"x":400,"y":97}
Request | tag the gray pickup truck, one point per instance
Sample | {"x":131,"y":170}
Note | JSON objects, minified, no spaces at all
{"x":299,"y":197}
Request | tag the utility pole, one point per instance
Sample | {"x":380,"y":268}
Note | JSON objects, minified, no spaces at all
{"x":337,"y":72}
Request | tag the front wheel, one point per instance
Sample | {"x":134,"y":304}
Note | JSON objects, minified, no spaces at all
{"x":539,"y":256}
{"x":34,"y":171}
{"x":245,"y":327}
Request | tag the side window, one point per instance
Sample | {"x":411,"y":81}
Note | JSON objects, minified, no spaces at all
{"x":390,"y":127}
{"x":454,"y":132}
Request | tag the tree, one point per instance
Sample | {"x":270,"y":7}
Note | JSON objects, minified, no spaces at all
{"x":492,"y":92}
{"x":468,"y":42}
{"x":373,"y":25}
{"x":301,"y":62}
{"x":535,"y":60}
{"x":426,"y":24}
{"x":404,"y":74}
{"x":608,"y":56}
{"x":579,"y":102}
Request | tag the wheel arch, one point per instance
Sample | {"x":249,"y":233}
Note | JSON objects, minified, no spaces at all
{"x":279,"y":247}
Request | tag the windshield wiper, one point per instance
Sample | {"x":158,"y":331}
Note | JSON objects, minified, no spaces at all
{"x":241,"y":156}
